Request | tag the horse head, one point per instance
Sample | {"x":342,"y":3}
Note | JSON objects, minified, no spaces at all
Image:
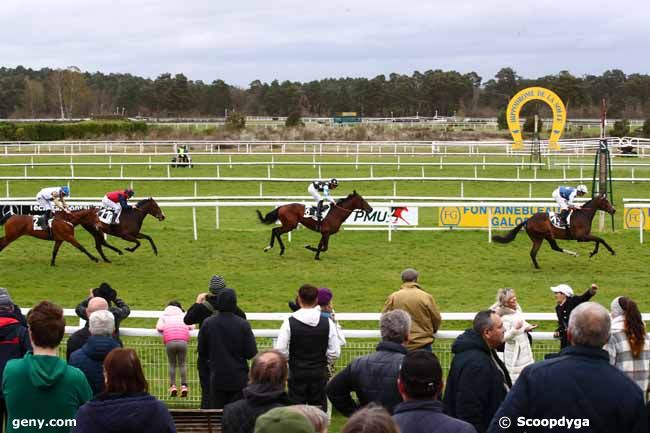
{"x":602,"y":203}
{"x":84,"y":217}
{"x":355,"y":201}
{"x":149,"y":206}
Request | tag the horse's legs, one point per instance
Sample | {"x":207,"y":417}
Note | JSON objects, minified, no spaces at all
{"x":598,"y":241}
{"x":73,"y":241}
{"x":147,"y":237}
{"x":55,"y":251}
{"x":133,"y":239}
{"x":322,"y":245}
{"x":270,"y":245}
{"x":278,"y":235}
{"x":537,"y":243}
{"x":7,"y":239}
{"x":556,"y":247}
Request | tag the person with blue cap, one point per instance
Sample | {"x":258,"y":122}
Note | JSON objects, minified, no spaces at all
{"x":51,"y":199}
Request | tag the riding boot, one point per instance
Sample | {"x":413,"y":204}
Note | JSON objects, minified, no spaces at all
{"x":46,"y":217}
{"x":563,"y":218}
{"x":46,"y":226}
{"x":319,"y":214}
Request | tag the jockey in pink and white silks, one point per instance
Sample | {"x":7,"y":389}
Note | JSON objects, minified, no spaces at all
{"x":320,"y":191}
{"x":564,"y":196}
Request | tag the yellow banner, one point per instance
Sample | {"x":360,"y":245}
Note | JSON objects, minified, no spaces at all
{"x":477,"y":216}
{"x":536,"y":94}
{"x":633,"y":218}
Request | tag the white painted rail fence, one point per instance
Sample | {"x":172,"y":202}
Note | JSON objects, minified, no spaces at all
{"x":341,"y":317}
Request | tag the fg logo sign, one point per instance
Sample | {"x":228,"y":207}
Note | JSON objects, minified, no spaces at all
{"x":450,"y":216}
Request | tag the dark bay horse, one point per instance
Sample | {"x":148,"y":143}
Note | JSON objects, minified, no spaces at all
{"x":62,"y":229}
{"x":129,"y":227}
{"x":539,"y":227}
{"x":290,"y":215}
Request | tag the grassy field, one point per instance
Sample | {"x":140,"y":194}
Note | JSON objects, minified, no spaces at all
{"x":460,"y":269}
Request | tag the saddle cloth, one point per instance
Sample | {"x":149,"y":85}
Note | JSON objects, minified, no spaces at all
{"x":36,"y":222}
{"x":105,"y":215}
{"x":555,"y":219}
{"x":310,"y":212}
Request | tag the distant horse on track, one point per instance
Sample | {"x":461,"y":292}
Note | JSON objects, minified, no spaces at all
{"x":62,"y":229}
{"x":290,"y":215}
{"x":539,"y":227}
{"x":129,"y":227}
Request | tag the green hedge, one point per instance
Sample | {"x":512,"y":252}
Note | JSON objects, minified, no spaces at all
{"x":42,"y":131}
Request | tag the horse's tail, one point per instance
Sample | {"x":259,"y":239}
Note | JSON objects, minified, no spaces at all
{"x":270,"y":217}
{"x":512,"y":234}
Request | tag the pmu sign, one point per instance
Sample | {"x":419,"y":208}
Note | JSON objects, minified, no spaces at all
{"x":381,"y":216}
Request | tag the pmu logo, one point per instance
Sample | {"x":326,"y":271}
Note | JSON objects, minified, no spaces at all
{"x":397,"y":213}
{"x":450,"y":216}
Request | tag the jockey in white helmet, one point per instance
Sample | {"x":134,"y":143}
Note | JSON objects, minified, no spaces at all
{"x":564,"y":196}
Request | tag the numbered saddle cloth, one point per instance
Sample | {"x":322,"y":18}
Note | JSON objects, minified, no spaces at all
{"x":556,"y":221}
{"x":311,"y":212}
{"x":105,"y":215}
{"x":37,"y":221}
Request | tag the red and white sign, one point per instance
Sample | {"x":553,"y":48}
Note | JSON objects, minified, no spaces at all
{"x":381,"y":216}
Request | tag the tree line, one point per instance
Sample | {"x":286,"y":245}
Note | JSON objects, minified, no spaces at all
{"x":71,"y":93}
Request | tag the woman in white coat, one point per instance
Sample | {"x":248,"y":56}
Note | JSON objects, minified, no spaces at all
{"x":518,"y":352}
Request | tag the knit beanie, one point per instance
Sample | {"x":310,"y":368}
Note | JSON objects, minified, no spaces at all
{"x":216,"y":284}
{"x":616,"y":308}
{"x":324,"y":296}
{"x":283,"y":420}
{"x":5,"y":299}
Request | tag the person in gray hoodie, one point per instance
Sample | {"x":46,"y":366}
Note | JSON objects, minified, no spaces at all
{"x":309,"y":341}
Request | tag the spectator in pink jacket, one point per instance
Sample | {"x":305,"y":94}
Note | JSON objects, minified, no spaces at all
{"x":176,"y":334}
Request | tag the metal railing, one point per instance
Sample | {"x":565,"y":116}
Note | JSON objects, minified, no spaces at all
{"x":151,"y":352}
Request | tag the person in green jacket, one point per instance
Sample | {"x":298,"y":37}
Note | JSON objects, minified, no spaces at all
{"x":41,"y":390}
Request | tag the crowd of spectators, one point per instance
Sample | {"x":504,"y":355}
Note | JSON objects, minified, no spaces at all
{"x":597,"y":381}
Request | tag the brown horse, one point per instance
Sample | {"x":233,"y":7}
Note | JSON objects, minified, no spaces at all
{"x":290,"y":215}
{"x":539,"y":227}
{"x":62,"y":229}
{"x":128,"y":229}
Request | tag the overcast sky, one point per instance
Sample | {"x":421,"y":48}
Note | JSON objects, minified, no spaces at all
{"x":243,"y":40}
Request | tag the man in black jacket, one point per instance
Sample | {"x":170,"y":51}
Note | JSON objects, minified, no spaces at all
{"x":227,"y":342}
{"x":204,"y":307}
{"x":566,"y":302}
{"x":579,"y":390}
{"x":478,"y":381}
{"x":265,"y":390}
{"x":14,"y":338}
{"x":117,"y":306}
{"x":374,"y":377}
{"x":420,"y":384}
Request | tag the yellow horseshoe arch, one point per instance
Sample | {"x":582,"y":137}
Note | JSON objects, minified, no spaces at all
{"x":540,"y":94}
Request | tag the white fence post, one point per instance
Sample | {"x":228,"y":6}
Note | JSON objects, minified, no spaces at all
{"x":194,"y":222}
{"x":641,"y":224}
{"x":489,"y":224}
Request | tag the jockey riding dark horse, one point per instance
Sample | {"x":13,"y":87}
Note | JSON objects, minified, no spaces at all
{"x":539,"y":228}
